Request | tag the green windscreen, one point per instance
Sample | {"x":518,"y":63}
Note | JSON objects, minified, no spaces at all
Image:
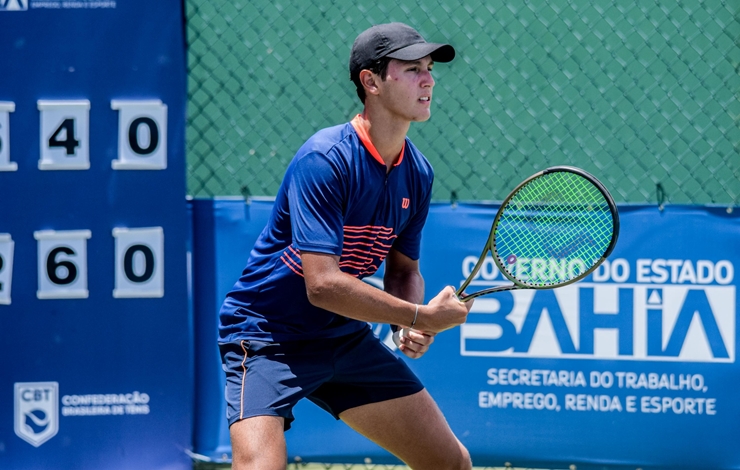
{"x":635,"y":92}
{"x":553,"y":230}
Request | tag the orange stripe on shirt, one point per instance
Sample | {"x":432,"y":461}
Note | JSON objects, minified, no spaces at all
{"x":290,"y":262}
{"x":364,"y":259}
{"x":290,"y":267}
{"x":296,"y":253}
{"x":364,"y":228}
{"x":369,"y":237}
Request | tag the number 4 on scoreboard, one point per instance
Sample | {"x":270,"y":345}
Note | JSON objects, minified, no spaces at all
{"x":69,"y":144}
{"x":64,"y":135}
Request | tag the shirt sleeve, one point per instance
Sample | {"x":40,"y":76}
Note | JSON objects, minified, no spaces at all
{"x":409,"y":240}
{"x":316,"y":196}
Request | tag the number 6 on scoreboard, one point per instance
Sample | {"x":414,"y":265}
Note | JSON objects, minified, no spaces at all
{"x":62,"y":268}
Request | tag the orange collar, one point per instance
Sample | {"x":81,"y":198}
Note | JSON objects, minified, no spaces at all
{"x":360,"y":127}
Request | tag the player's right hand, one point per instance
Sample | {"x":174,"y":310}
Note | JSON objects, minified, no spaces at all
{"x":443,"y":312}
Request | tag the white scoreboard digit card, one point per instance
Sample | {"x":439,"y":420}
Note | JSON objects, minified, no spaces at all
{"x":64,"y":135}
{"x":142,"y":135}
{"x":62,"y":264}
{"x":6,"y":108}
{"x":139,"y":262}
{"x":6,"y":267}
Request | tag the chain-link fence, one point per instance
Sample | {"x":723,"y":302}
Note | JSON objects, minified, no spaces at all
{"x":642,"y":93}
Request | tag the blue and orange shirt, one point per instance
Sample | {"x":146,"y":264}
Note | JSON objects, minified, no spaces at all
{"x":336,"y":198}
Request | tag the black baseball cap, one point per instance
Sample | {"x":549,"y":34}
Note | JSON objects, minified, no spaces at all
{"x":394,"y":40}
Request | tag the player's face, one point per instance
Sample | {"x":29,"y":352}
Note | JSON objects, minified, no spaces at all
{"x":407,"y":89}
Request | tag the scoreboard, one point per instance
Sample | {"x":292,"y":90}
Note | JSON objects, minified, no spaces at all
{"x":94,"y":236}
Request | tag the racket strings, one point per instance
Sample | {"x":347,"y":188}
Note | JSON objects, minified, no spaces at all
{"x":553,"y":230}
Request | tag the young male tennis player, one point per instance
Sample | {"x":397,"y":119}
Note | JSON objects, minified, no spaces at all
{"x":295,"y":324}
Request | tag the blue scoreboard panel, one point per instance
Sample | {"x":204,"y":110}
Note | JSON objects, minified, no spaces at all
{"x":94,"y":320}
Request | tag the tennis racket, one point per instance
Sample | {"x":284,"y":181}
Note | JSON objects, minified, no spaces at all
{"x":554,"y":229}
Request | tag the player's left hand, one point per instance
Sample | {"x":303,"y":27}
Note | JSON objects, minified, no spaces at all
{"x":413,"y":343}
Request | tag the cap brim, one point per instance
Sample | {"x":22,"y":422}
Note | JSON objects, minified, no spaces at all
{"x":439,"y":52}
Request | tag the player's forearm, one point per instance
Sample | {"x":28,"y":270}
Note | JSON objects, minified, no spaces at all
{"x":407,"y":285}
{"x":350,"y":297}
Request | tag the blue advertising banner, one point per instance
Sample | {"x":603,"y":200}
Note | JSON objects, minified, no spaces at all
{"x":95,"y":334}
{"x":633,"y":367}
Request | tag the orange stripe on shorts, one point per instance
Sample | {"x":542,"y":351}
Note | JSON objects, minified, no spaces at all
{"x":244,"y":377}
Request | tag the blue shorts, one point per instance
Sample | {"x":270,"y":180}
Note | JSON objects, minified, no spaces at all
{"x":268,"y":379}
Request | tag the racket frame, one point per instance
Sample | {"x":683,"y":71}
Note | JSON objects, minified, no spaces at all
{"x":491,"y":247}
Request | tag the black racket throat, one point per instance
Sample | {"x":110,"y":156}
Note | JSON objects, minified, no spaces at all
{"x":554,"y":229}
{"x":464,"y":297}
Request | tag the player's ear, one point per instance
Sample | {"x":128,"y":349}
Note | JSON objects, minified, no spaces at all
{"x":368,"y":80}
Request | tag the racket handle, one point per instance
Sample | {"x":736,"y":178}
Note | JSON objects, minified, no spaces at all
{"x":397,"y":336}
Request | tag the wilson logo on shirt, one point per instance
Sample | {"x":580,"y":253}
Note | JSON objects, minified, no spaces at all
{"x":405,"y":203}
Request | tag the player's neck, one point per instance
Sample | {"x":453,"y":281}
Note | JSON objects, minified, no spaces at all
{"x":387,"y":133}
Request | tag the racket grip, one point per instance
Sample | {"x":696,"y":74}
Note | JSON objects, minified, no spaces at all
{"x":397,"y":336}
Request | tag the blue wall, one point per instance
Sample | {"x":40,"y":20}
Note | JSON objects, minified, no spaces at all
{"x":633,"y":367}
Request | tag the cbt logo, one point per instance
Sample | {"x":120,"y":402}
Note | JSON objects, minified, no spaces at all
{"x":36,"y":411}
{"x":13,"y":5}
